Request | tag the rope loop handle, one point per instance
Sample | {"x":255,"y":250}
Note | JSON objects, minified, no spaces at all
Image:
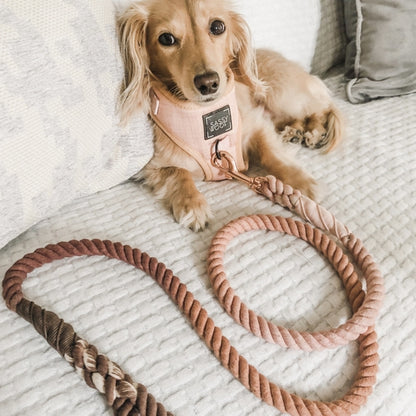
{"x":365,"y":306}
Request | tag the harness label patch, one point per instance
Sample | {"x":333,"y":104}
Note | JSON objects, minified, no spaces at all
{"x":218,"y":122}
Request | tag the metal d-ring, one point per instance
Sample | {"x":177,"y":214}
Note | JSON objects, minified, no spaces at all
{"x":217,"y":150}
{"x":227,"y":165}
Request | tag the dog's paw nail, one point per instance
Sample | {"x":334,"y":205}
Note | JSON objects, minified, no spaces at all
{"x":292,"y":135}
{"x":193,"y":213}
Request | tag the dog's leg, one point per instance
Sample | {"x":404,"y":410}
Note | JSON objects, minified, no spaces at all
{"x":299,"y":103}
{"x":263,"y":151}
{"x":177,"y":189}
{"x":318,"y":131}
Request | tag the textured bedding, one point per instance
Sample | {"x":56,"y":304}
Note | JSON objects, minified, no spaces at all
{"x":369,"y":184}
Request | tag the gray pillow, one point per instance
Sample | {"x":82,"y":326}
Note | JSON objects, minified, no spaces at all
{"x":381,"y":49}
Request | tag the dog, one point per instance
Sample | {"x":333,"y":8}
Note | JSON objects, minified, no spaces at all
{"x":192,"y":51}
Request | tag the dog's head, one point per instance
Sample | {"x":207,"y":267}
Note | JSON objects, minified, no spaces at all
{"x":191,"y":46}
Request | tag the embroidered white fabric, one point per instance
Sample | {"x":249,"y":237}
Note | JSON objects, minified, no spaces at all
{"x":59,"y":133}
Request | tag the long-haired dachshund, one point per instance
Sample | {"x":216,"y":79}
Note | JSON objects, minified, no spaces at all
{"x":192,"y":55}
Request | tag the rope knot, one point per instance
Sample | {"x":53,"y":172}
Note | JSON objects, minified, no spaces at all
{"x":101,"y":373}
{"x":127,"y":397}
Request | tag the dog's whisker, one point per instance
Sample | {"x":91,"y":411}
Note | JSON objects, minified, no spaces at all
{"x":176,"y":91}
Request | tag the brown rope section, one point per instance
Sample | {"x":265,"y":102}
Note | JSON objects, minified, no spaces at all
{"x":122,"y":393}
{"x":126,"y":397}
{"x":129,"y":398}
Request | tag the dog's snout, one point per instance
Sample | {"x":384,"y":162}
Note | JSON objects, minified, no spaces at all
{"x":207,"y":83}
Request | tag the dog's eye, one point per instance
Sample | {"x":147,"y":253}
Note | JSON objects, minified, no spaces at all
{"x":217,"y":27}
{"x":167,"y":39}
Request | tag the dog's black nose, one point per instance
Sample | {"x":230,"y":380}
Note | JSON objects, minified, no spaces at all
{"x":207,"y":83}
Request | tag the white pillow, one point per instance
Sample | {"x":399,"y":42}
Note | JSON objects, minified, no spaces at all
{"x":286,"y":26}
{"x":60,"y":140}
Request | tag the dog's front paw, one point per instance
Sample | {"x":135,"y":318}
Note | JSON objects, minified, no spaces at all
{"x":191,"y":211}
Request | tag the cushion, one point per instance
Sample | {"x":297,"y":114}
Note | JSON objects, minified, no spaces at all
{"x":286,"y":26}
{"x":381,"y":52}
{"x":309,"y":32}
{"x":330,"y":42}
{"x":60,"y":139}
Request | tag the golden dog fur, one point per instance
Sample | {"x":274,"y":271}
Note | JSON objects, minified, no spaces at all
{"x":277,"y":99}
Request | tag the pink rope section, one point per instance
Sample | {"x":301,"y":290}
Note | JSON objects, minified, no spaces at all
{"x":366,"y":306}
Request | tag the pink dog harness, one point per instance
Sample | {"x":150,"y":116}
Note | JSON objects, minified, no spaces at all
{"x":199,"y":130}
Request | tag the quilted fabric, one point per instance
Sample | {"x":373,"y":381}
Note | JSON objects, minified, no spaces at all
{"x":60,"y":139}
{"x":368,"y":183}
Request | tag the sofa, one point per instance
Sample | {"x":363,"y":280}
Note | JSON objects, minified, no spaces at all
{"x":65,"y":164}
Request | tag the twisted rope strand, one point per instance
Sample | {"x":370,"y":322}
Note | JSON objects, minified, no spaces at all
{"x":129,"y":398}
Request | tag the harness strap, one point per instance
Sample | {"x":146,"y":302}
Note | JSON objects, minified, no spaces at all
{"x":197,"y":128}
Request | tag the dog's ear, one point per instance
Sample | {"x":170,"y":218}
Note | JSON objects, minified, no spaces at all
{"x":134,"y":94}
{"x":243,"y":62}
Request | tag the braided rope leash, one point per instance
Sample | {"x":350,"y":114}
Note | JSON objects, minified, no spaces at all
{"x":129,"y":398}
